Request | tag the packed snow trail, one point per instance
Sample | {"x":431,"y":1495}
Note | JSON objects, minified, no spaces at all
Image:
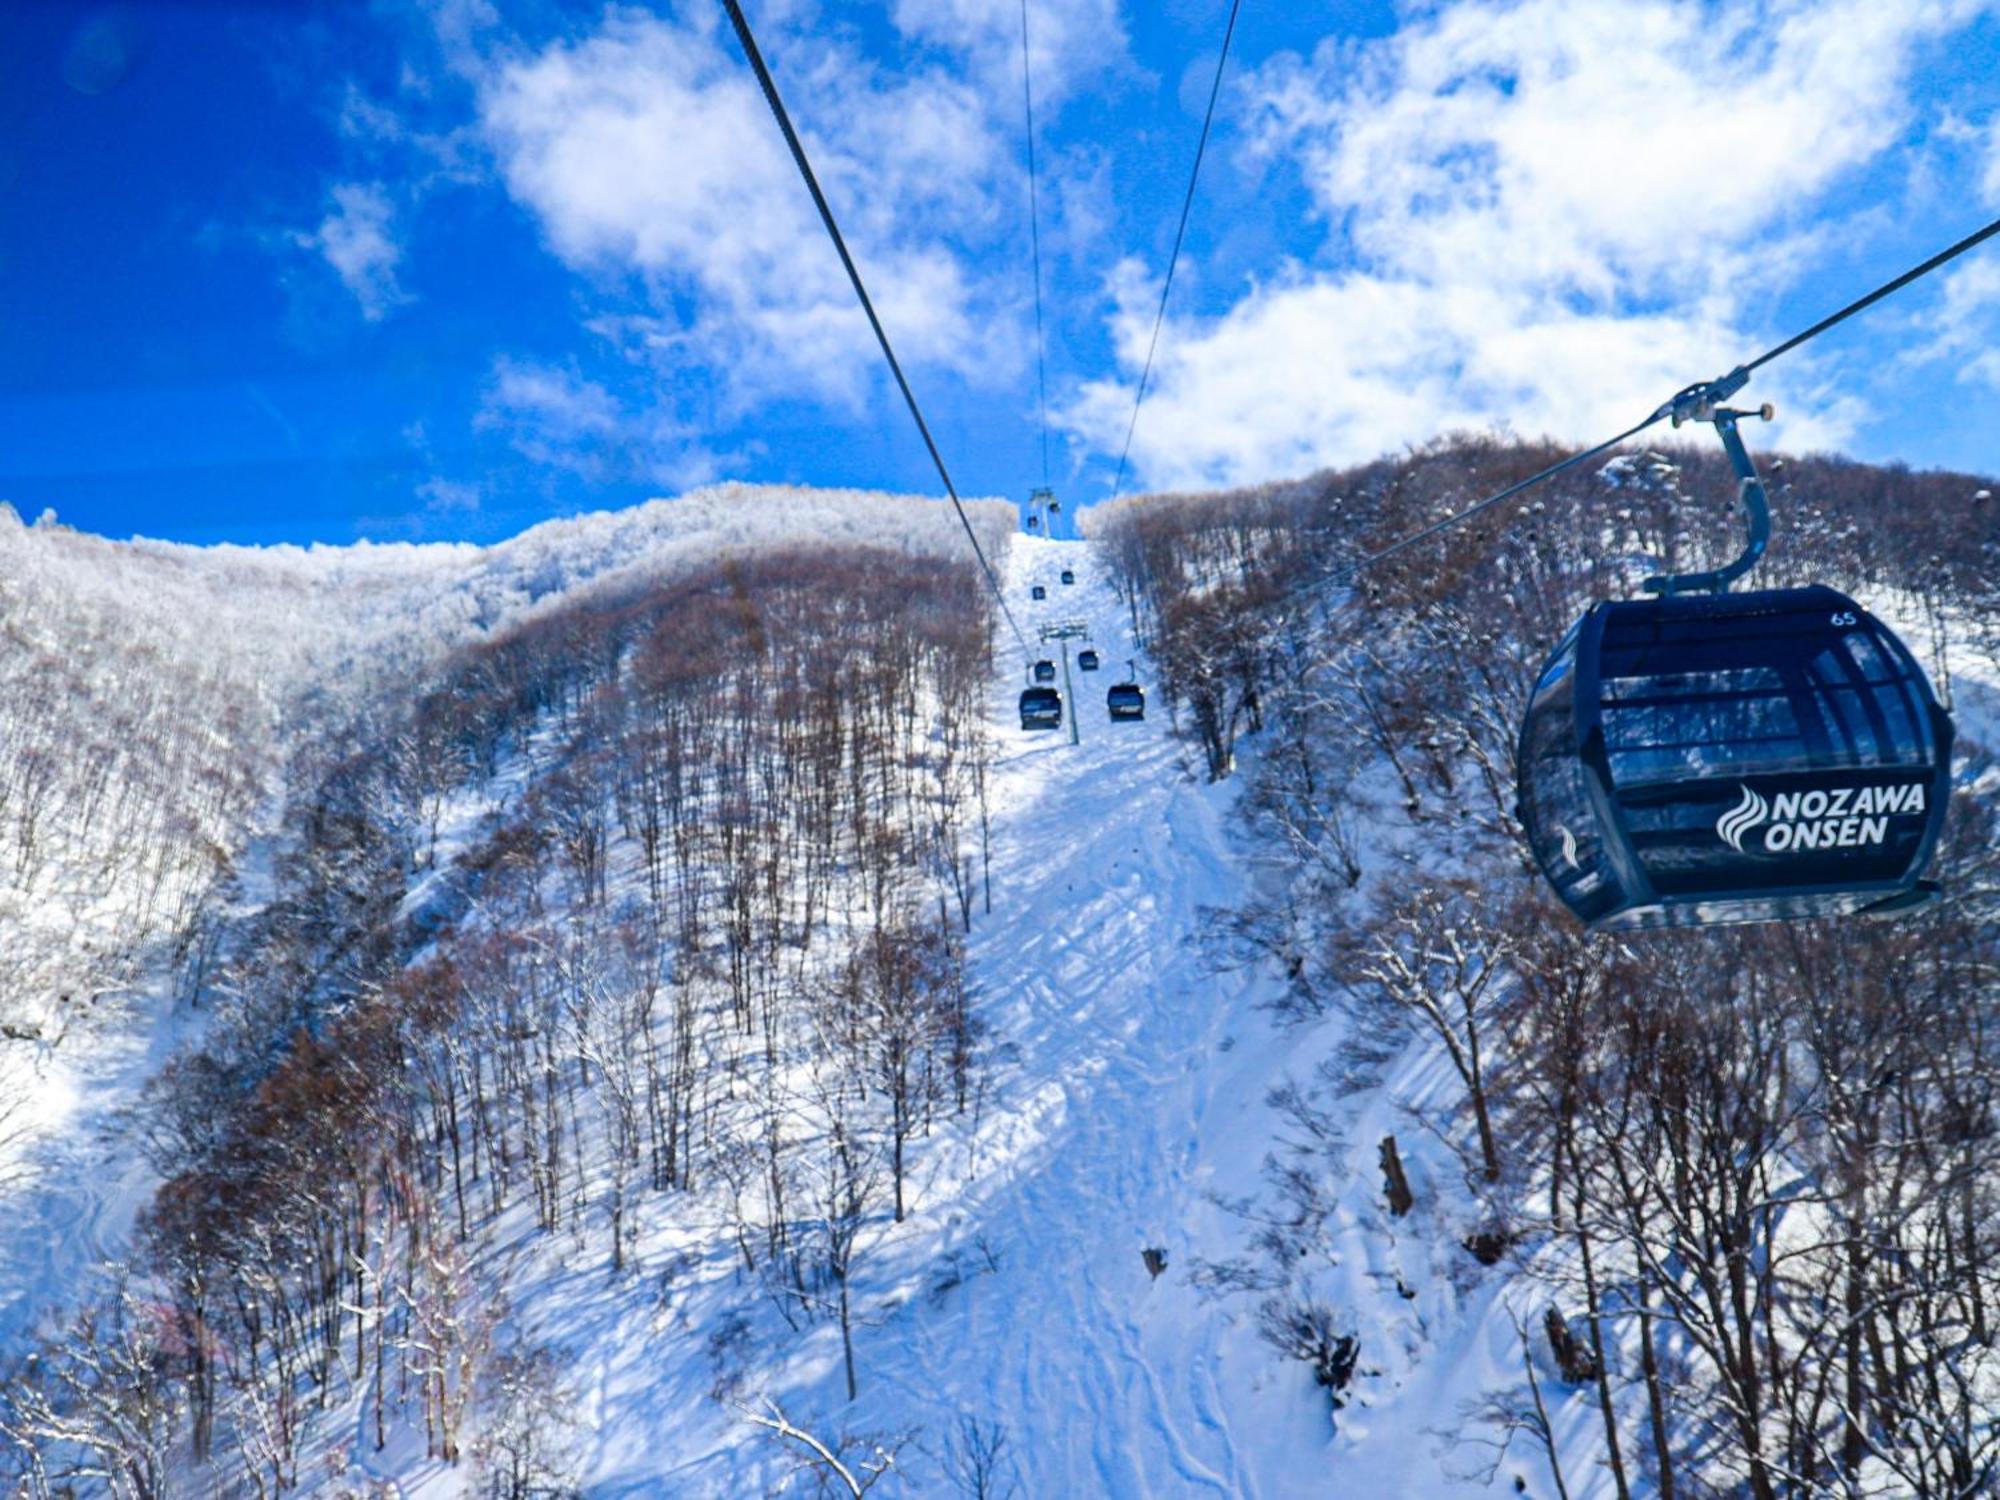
{"x":1122,"y":1100}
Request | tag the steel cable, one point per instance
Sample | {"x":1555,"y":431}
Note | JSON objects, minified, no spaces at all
{"x":784,"y":119}
{"x":1173,"y":260}
{"x":1035,"y":241}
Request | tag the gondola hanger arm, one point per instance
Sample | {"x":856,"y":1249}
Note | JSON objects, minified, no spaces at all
{"x":1749,"y":491}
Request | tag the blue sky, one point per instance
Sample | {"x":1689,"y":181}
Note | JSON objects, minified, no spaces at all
{"x":283,"y":271}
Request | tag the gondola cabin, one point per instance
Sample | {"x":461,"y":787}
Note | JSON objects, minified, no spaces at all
{"x":1045,"y":671}
{"x":1038,"y":592}
{"x":1041,"y":708}
{"x":1086,"y":660}
{"x":1069,"y":575}
{"x":1126,"y":700}
{"x":1704,"y":758}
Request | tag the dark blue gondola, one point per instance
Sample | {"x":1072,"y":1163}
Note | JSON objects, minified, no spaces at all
{"x":1045,"y":671}
{"x":1126,"y":700}
{"x":1086,"y":660}
{"x":1697,"y":758}
{"x":1068,"y":575}
{"x":1038,"y":592}
{"x":1041,"y":708}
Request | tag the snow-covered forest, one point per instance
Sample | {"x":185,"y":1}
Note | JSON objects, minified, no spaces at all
{"x":1735,"y":1185}
{"x":628,"y":1011}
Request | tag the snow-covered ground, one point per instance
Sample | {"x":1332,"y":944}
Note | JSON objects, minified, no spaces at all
{"x":1128,"y":1084}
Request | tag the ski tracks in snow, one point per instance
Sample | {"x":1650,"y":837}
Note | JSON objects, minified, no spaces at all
{"x":1095,"y":990}
{"x":69,"y":1202}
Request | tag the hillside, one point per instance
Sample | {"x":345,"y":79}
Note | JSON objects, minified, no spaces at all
{"x":162,"y":699}
{"x":669,"y":1030}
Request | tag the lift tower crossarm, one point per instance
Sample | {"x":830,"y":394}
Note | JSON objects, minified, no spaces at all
{"x":1067,"y":631}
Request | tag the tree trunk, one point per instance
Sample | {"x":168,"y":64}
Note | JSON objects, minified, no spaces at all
{"x":1395,"y":1183}
{"x":1656,"y":1401}
{"x":847,"y":1338}
{"x":1604,"y":1405}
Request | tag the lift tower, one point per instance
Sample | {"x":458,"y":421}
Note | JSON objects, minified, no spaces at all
{"x":1043,"y":508}
{"x":1067,"y":631}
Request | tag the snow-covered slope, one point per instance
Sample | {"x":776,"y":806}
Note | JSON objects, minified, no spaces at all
{"x":1130,"y":1085}
{"x":153,"y":694}
{"x":1125,"y":1083}
{"x":1125,"y":1108}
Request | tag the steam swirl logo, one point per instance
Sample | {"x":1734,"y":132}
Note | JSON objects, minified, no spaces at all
{"x":1741,"y":818}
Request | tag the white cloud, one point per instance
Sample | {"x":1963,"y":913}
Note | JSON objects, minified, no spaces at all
{"x":357,"y":239}
{"x":1960,"y":330}
{"x":1989,"y":180}
{"x":555,"y":416}
{"x":1538,"y":213}
{"x":646,"y":153}
{"x":449,"y":496}
{"x":1069,"y":43}
{"x":561,"y":401}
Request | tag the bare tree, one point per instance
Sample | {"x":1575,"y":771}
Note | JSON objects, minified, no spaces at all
{"x":855,"y":1478}
{"x":1439,"y":963}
